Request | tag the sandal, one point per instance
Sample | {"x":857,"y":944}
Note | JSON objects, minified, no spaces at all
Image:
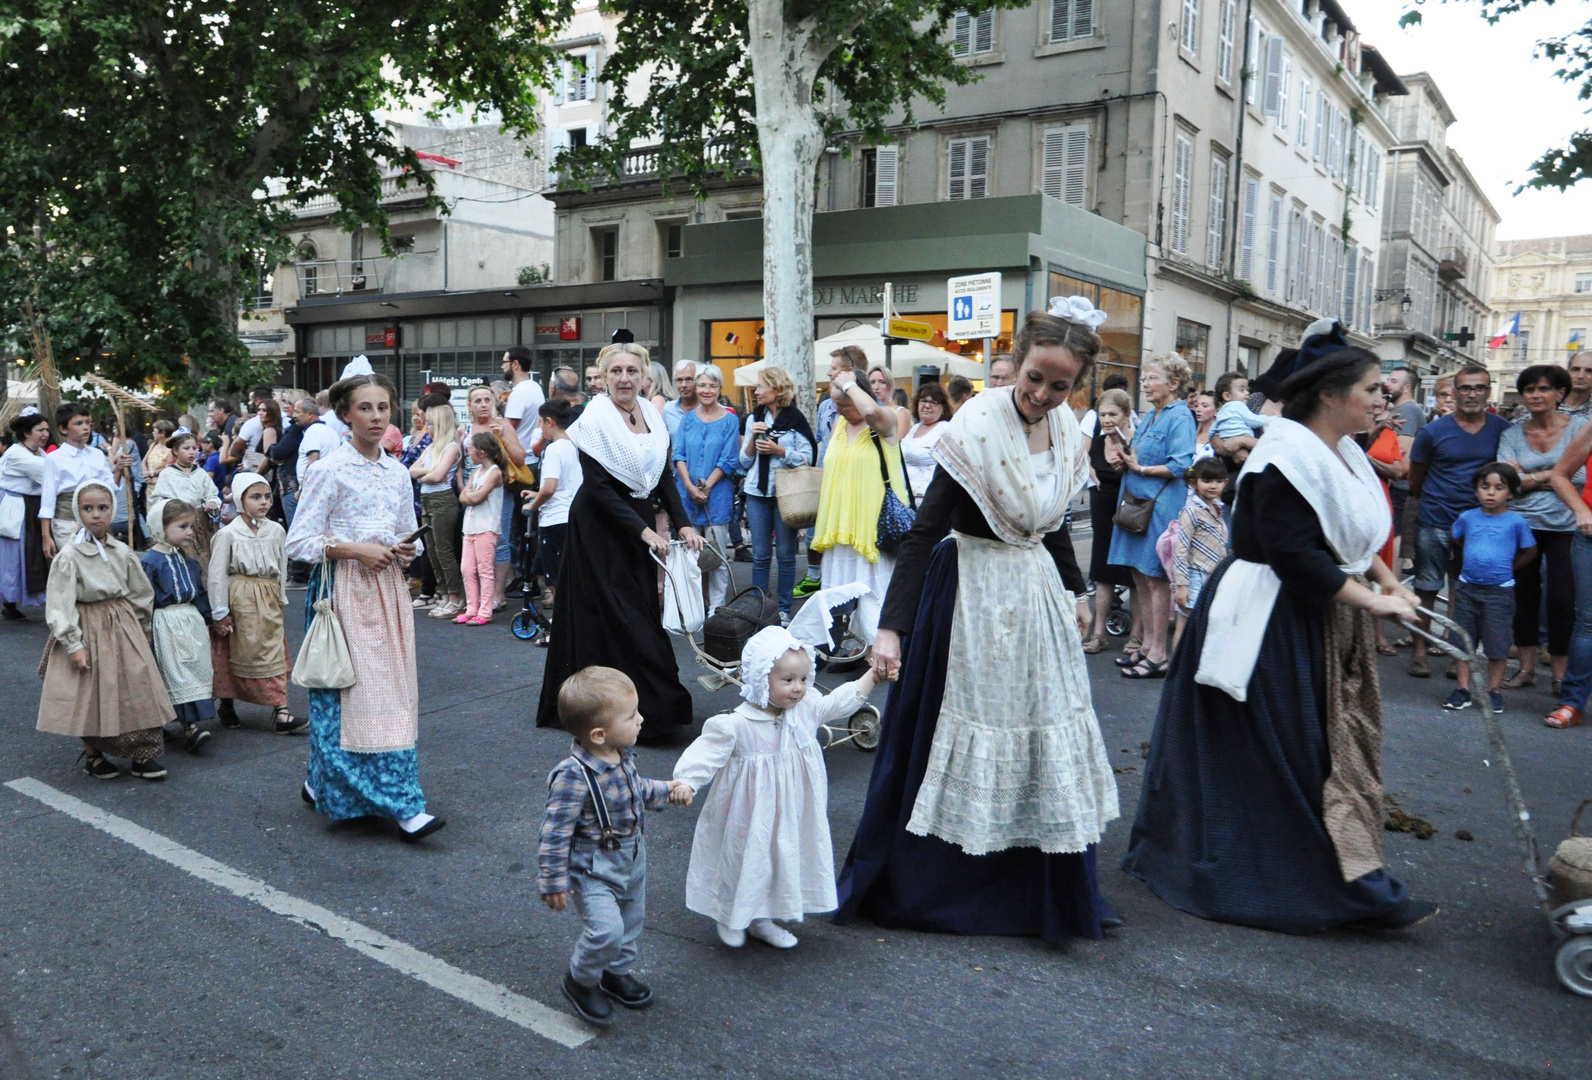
{"x":1094,"y":643}
{"x":1522,"y":680}
{"x":1563,"y":717}
{"x":1384,"y":649}
{"x":1403,"y":643}
{"x":1134,"y":645}
{"x":1146,"y":669}
{"x":1133,"y":659}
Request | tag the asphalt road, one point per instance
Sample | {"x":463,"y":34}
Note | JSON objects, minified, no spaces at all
{"x":115,"y":963}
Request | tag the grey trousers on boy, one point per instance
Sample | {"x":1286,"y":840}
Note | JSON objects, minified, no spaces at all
{"x":609,"y":891}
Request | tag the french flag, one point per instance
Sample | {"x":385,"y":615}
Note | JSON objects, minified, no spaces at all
{"x":1510,"y":327}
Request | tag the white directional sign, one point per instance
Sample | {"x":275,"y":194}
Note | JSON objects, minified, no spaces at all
{"x":974,"y":304}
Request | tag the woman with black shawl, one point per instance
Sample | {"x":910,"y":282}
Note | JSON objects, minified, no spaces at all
{"x":608,"y":611}
{"x":778,"y":437}
{"x":1262,"y":799}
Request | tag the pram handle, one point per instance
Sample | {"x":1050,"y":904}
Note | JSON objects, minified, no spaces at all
{"x":1468,"y":654}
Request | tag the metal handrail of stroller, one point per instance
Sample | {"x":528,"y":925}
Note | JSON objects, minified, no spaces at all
{"x":727,"y":672}
{"x":1495,"y":737}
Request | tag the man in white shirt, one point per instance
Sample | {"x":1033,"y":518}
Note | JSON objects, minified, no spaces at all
{"x":323,"y":402}
{"x":318,"y":439}
{"x":685,"y":373}
{"x":68,"y":467}
{"x":251,"y":431}
{"x":526,"y":397}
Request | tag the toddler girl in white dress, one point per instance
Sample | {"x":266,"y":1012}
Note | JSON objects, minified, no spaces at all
{"x":762,"y":849}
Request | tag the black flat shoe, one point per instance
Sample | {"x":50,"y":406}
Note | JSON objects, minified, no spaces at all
{"x":288,"y":724}
{"x":101,"y":769}
{"x":194,"y":739}
{"x":1406,"y":916}
{"x":1130,"y":660}
{"x":1110,"y":922}
{"x":12,"y":613}
{"x":626,"y":989}
{"x":589,"y":1002}
{"x":304,"y":793}
{"x":228,"y":714}
{"x":148,"y":770}
{"x":424,"y":831}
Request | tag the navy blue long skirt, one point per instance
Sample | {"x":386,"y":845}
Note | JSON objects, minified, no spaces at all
{"x":1229,"y":825}
{"x":904,"y":881}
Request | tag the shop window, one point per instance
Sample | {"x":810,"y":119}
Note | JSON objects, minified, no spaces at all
{"x":1121,"y":335}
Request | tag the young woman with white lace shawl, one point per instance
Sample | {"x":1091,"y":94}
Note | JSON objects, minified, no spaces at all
{"x":608,"y":610}
{"x":1262,"y":798}
{"x":992,"y":786}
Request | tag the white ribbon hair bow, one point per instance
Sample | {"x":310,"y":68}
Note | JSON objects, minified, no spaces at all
{"x":1077,"y":309}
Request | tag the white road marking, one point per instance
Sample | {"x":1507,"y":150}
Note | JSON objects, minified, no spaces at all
{"x":498,"y":1000}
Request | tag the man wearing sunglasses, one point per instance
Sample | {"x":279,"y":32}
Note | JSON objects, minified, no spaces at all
{"x":1443,"y":461}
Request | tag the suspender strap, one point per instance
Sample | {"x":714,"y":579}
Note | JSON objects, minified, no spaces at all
{"x":609,"y":841}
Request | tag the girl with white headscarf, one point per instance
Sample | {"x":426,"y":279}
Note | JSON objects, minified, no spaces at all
{"x":762,"y":849}
{"x":991,"y":786}
{"x":101,"y":681}
{"x":608,"y":608}
{"x":248,"y":591}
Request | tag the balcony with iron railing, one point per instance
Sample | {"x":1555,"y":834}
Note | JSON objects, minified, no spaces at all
{"x":337,"y":277}
{"x":320,"y":204}
{"x":1454,"y":265}
{"x":640,"y":166}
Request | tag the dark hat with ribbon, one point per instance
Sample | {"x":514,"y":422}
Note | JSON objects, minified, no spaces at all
{"x":622,"y":337}
{"x":1322,"y":338}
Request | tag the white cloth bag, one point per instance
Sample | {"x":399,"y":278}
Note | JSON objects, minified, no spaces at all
{"x":683,"y":610}
{"x":13,"y":511}
{"x":323,"y":661}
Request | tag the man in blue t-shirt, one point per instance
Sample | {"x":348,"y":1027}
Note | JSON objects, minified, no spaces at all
{"x":1443,"y":463}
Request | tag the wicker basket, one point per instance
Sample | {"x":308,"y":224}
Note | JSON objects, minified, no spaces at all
{"x":1570,"y":869}
{"x":797,"y":491}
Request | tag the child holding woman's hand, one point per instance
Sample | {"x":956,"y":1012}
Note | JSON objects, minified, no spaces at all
{"x":762,"y":849}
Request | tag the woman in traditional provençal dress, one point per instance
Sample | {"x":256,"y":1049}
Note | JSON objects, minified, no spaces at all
{"x":992,"y":786}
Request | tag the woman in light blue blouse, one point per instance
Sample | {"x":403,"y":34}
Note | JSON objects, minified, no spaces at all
{"x":704,"y":463}
{"x":778,"y":437}
{"x":1161,"y":452}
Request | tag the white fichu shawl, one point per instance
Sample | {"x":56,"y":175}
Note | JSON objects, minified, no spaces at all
{"x":1354,"y":514}
{"x":987,"y":453}
{"x":635,"y":459}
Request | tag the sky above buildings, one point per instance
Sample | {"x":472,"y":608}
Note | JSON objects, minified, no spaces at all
{"x":1509,"y":106}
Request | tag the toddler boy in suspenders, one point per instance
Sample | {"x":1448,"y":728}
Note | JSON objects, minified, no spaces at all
{"x":593,"y":845}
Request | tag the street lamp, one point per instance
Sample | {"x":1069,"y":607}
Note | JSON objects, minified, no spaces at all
{"x":1405,"y":305}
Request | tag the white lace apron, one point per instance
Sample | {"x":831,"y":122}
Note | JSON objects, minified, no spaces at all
{"x":1017,"y":758}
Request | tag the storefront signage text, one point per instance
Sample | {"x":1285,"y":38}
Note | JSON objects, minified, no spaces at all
{"x":861,"y":295}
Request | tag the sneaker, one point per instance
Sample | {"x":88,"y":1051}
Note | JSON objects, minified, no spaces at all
{"x":1420,"y":668}
{"x":784,"y":618}
{"x":101,"y":769}
{"x":1460,"y":699}
{"x":148,"y":770}
{"x":1496,"y":700}
{"x":194,"y":738}
{"x":743,"y":554}
{"x":807,"y":586}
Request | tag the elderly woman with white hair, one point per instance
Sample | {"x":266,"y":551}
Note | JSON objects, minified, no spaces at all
{"x":705,"y":458}
{"x":1153,"y":492}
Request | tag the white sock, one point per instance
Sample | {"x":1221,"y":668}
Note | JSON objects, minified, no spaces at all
{"x":419,"y":821}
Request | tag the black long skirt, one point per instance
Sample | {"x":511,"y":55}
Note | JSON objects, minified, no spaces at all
{"x":1229,"y":825}
{"x":901,"y":880}
{"x":1102,"y":507}
{"x":608,"y":614}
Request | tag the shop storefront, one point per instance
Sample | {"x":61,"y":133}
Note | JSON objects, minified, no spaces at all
{"x":464,"y":335}
{"x":1042,"y":248}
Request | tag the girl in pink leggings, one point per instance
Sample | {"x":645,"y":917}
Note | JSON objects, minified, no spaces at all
{"x":483,"y":509}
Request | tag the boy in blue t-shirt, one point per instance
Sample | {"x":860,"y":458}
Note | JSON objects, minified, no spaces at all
{"x":1493,"y":542}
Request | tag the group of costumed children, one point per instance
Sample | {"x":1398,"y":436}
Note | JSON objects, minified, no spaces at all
{"x":140,"y":650}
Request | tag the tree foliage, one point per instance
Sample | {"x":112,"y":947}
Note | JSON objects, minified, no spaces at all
{"x":1563,"y":166}
{"x":140,"y":134}
{"x":884,"y":59}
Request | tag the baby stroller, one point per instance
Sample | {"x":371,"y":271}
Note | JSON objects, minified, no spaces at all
{"x":531,"y":622}
{"x":862,"y":730}
{"x":1570,"y":923}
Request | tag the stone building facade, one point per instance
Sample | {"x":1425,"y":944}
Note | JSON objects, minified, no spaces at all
{"x":1549,"y":282}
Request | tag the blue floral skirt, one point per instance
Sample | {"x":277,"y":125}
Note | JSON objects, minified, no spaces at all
{"x":354,"y":785}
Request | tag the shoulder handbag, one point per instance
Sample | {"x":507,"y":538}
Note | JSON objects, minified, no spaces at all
{"x":323,"y":662}
{"x":522,"y":473}
{"x":1135,"y":511}
{"x":895,"y":517}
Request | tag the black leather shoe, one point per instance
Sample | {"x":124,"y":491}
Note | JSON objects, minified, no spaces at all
{"x":1406,"y":916}
{"x":228,"y":714}
{"x":626,"y":989}
{"x":588,"y":1002}
{"x":304,"y":793}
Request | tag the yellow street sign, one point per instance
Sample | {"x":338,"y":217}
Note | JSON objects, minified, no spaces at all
{"x":906,"y":328}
